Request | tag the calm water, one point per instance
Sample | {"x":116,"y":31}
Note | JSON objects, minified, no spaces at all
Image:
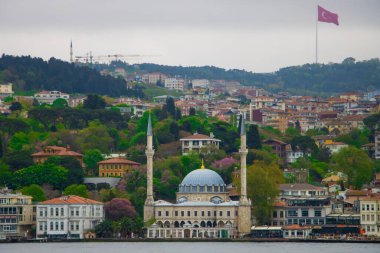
{"x":189,"y":247}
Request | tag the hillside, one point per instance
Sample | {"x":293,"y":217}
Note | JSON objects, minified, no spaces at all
{"x":27,"y":73}
{"x":313,"y":79}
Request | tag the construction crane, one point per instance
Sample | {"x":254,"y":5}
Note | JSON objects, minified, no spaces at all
{"x":89,"y":58}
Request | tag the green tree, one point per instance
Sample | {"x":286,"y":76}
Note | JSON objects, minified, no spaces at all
{"x":263,"y":180}
{"x":104,"y":229}
{"x":41,"y":174}
{"x":91,"y":158}
{"x":94,"y":102}
{"x":6,"y":176}
{"x":170,"y":106}
{"x":18,"y":159}
{"x":35,"y":191}
{"x":76,"y":189}
{"x":60,"y":103}
{"x":192,"y":111}
{"x":355,"y":163}
{"x":15,"y":106}
{"x":74,"y":168}
{"x":95,"y":136}
{"x":305,"y":143}
{"x":253,"y":137}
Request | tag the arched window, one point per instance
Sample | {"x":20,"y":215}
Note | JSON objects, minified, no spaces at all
{"x":216,"y":200}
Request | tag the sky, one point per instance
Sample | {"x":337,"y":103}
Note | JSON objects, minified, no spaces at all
{"x":258,"y":36}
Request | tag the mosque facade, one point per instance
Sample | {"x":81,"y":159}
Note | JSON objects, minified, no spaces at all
{"x":203,"y":208}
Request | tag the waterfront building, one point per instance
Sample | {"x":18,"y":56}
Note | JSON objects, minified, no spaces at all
{"x":197,"y":142}
{"x":68,"y":217}
{"x":370,"y":215}
{"x":203,"y":208}
{"x":116,"y":167}
{"x":49,"y":151}
{"x":301,"y":204}
{"x":17,"y":215}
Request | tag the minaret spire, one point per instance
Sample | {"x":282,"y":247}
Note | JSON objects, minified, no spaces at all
{"x":149,"y":152}
{"x":243,"y":161}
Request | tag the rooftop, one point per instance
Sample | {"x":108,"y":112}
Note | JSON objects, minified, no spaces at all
{"x":70,"y":199}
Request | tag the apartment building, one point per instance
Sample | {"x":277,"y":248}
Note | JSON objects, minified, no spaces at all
{"x":370,"y":215}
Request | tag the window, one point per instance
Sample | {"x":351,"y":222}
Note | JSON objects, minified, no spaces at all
{"x":176,"y":213}
{"x":182,"y":213}
{"x":167,"y":213}
{"x":72,"y":212}
{"x":281,"y":214}
{"x":203,"y":213}
{"x":51,"y":226}
{"x":77,"y":226}
{"x":62,"y":211}
{"x":57,"y":212}
{"x":41,"y":227}
{"x":228,"y":213}
{"x":318,"y":213}
{"x":72,"y":226}
{"x":188,"y":213}
{"x":56,"y":225}
{"x":220,"y":213}
{"x":159,"y":213}
{"x":214,"y":213}
{"x":77,"y":212}
{"x":372,"y":207}
{"x":208,"y":213}
{"x":51,"y":211}
{"x":367,"y":207}
{"x":41,"y":212}
{"x":292,"y":213}
{"x":274,"y":214}
{"x":62,"y":226}
{"x":305,"y":212}
{"x":195,"y":213}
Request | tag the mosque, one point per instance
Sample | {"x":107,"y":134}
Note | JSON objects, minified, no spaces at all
{"x":203,"y":208}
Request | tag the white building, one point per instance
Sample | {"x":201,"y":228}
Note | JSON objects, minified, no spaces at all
{"x":48,"y":97}
{"x":68,"y":217}
{"x":370,"y":215}
{"x":334,"y":146}
{"x":292,"y":155}
{"x":200,"y":83}
{"x":196,"y":142}
{"x":175,"y":84}
{"x":153,"y":78}
{"x":6,"y":90}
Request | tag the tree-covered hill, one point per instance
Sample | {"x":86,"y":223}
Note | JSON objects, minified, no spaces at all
{"x":27,"y":73}
{"x":322,"y":79}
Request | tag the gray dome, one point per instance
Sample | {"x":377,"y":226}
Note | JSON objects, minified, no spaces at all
{"x":203,"y":177}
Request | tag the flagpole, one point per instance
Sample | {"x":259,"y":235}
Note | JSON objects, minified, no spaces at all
{"x":316,"y":38}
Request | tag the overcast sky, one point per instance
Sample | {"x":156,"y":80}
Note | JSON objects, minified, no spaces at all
{"x":259,"y":36}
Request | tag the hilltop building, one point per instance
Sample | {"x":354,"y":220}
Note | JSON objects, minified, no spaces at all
{"x":48,"y":151}
{"x":116,"y":167}
{"x":203,"y":208}
{"x":48,"y":97}
{"x":197,"y":142}
{"x":6,"y":90}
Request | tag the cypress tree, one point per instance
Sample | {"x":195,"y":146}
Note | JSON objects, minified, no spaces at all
{"x":253,"y":137}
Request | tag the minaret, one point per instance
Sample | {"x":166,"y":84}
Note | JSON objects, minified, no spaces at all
{"x":243,"y":161}
{"x":71,"y":51}
{"x":244,"y":219}
{"x":149,"y":202}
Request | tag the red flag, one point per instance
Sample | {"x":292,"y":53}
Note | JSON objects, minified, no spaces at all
{"x":327,"y":16}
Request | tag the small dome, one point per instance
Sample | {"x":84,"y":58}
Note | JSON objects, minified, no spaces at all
{"x":202,"y":177}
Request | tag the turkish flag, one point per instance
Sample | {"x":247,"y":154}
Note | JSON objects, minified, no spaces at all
{"x":327,"y":16}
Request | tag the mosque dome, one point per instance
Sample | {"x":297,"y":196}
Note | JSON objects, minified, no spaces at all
{"x":202,"y":181}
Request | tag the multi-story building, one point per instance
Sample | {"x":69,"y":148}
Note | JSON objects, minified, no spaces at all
{"x":48,"y":97}
{"x":202,"y":83}
{"x":6,"y":90}
{"x":197,"y":142}
{"x":301,"y":204}
{"x":370,"y":215}
{"x":153,"y":78}
{"x":116,"y":167}
{"x":17,"y":215}
{"x":175,"y":83}
{"x":68,"y":217}
{"x":377,"y":145}
{"x":48,"y":151}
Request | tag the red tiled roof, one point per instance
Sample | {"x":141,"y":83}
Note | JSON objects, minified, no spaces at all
{"x":71,"y":199}
{"x":118,"y":160}
{"x":57,"y":151}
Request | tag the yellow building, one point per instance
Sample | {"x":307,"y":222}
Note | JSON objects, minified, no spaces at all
{"x":116,"y":167}
{"x":17,"y":215}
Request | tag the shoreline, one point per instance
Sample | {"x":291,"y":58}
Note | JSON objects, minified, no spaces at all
{"x":245,"y":240}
